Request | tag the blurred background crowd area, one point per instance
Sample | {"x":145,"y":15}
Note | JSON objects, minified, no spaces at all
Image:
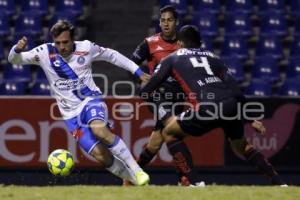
{"x":258,"y":39}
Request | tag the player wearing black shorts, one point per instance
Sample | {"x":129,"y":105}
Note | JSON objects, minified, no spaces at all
{"x":153,"y":49}
{"x":204,"y":78}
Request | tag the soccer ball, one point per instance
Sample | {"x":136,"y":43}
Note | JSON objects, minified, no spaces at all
{"x":60,"y":162}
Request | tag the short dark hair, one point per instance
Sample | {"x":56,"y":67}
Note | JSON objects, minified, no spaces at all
{"x":61,"y":26}
{"x":169,"y":8}
{"x":190,"y":36}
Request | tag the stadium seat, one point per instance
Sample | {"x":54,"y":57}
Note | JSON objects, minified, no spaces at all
{"x":273,"y":24}
{"x":207,"y":24}
{"x":20,"y":73}
{"x":293,"y":68}
{"x":212,"y":6}
{"x":234,"y":47}
{"x":290,"y":87}
{"x":7,"y":7}
{"x":36,"y":6}
{"x":40,"y":75}
{"x":12,"y":88}
{"x":40,"y":87}
{"x":297,"y":26}
{"x":4,"y":25}
{"x":206,"y":43}
{"x":241,"y":6}
{"x":1,"y":50}
{"x":179,"y":5}
{"x":236,"y":69}
{"x":258,"y":87}
{"x":73,"y":6}
{"x":295,"y":47}
{"x":28,"y":24}
{"x":238,"y":24}
{"x":62,"y":16}
{"x":265,"y":68}
{"x":271,"y":5}
{"x":269,"y":46}
{"x":294,"y":7}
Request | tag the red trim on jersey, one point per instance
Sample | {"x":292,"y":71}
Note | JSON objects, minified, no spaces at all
{"x":77,"y":134}
{"x":81,"y":53}
{"x":186,"y":89}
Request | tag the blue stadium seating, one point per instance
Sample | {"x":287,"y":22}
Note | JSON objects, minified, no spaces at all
{"x":271,"y":5}
{"x":294,"y":6}
{"x":293,"y":68}
{"x":295,"y":47}
{"x":207,"y":24}
{"x":40,"y":87}
{"x":273,"y":23}
{"x":179,"y":5}
{"x":206,"y":43}
{"x":4,"y":25}
{"x":297,"y":26}
{"x":28,"y":24}
{"x":238,"y":24}
{"x":265,"y":68}
{"x":269,"y":46}
{"x":73,"y":6}
{"x":36,"y":6}
{"x":290,"y":87}
{"x":7,"y":6}
{"x":258,"y":87}
{"x":71,"y":17}
{"x":20,"y":73}
{"x":12,"y":88}
{"x":212,"y":6}
{"x":40,"y":75}
{"x":234,"y":47}
{"x":241,"y":6}
{"x":1,"y":50}
{"x":236,"y":69}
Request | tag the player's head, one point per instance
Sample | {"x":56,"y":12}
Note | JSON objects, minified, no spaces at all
{"x":168,"y":21}
{"x":189,"y":37}
{"x":63,"y":36}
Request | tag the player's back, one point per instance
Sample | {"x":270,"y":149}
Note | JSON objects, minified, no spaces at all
{"x":200,"y":73}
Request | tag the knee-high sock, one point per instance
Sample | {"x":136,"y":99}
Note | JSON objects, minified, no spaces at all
{"x":121,"y":170}
{"x":258,"y":160}
{"x":119,"y":149}
{"x":145,"y":157}
{"x":182,"y":159}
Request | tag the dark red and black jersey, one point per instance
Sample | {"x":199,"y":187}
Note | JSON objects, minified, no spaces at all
{"x":154,"y":49}
{"x":201,"y":75}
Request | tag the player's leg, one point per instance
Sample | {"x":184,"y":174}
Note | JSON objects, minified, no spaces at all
{"x":234,"y":130}
{"x":153,"y":146}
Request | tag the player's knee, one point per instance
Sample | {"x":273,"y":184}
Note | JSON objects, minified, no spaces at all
{"x":103,"y":134}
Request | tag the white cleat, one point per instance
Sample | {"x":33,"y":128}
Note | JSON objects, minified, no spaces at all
{"x":284,"y":185}
{"x":199,"y":184}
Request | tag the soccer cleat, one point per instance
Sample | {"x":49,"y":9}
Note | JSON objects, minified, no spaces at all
{"x":142,"y":178}
{"x":184,"y":181}
{"x":127,"y":183}
{"x":284,"y":185}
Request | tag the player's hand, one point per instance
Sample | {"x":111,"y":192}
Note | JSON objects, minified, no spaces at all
{"x":21,"y":45}
{"x":259,"y":127}
{"x":145,"y":77}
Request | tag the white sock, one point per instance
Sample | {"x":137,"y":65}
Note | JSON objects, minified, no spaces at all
{"x":121,"y":170}
{"x":120,"y":150}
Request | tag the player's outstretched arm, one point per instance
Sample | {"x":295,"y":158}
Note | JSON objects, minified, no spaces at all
{"x":18,"y":55}
{"x":259,"y":127}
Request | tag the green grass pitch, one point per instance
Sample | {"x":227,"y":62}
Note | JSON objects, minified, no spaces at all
{"x":82,"y":192}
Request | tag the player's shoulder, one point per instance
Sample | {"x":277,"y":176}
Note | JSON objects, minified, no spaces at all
{"x":153,"y":38}
{"x":84,"y":44}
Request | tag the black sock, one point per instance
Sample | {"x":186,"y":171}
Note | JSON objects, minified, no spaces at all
{"x":258,"y":160}
{"x":145,"y":157}
{"x":182,"y":159}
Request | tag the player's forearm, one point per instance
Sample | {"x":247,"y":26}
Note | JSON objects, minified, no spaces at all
{"x":14,"y":57}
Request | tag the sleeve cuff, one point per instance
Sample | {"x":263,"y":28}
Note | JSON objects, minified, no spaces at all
{"x":138,"y":72}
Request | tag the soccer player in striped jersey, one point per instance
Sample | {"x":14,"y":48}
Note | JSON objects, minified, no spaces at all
{"x":68,"y":67}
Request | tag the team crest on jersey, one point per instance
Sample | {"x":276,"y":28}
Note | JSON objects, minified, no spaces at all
{"x":80,"y":60}
{"x":56,"y":63}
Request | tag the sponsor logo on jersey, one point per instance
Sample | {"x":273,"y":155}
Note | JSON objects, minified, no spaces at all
{"x":80,"y":60}
{"x":159,"y":48}
{"x":69,"y":84}
{"x":56,"y":63}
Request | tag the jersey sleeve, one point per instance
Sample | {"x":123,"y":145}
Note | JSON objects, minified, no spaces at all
{"x":114,"y":57}
{"x":27,"y":57}
{"x":141,"y":53}
{"x":164,"y":71}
